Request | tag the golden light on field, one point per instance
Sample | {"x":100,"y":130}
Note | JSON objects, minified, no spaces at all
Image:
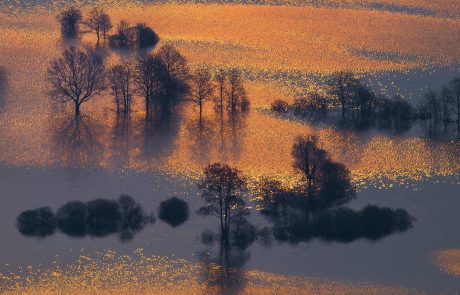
{"x":138,"y":273}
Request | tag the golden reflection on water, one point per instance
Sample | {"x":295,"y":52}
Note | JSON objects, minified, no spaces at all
{"x":448,"y":261}
{"x":257,"y":39}
{"x":139,"y":273}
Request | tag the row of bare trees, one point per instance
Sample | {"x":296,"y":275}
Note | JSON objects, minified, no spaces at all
{"x":162,"y":79}
{"x":439,"y":107}
{"x":225,"y":89}
{"x":97,"y":21}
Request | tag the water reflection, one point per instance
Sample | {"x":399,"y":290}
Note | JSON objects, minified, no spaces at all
{"x":76,"y":142}
{"x":98,"y":218}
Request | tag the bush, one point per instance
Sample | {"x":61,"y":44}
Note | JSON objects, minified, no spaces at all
{"x":279,"y":106}
{"x":173,"y":211}
{"x":147,"y":37}
{"x":71,"y":218}
{"x":39,"y":222}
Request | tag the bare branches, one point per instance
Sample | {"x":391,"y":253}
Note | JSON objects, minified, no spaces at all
{"x":77,"y":76}
{"x":98,"y":22}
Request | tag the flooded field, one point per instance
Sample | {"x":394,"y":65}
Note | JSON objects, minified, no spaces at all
{"x":284,"y":50}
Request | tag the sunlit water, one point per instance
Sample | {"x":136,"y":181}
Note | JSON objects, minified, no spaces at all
{"x":284,"y":51}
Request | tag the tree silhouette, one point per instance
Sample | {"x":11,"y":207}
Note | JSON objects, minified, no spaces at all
{"x":222,"y":189}
{"x":150,"y":80}
{"x":341,"y":85}
{"x":120,"y":81}
{"x":77,"y":76}
{"x":201,"y":88}
{"x":70,"y":20}
{"x":98,"y":22}
{"x":455,"y":86}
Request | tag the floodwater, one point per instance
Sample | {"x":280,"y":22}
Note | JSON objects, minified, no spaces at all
{"x":283,"y":49}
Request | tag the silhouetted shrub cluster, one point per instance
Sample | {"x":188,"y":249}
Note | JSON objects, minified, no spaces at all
{"x":341,"y":225}
{"x":174,"y":211}
{"x":309,"y":210}
{"x":96,"y":218}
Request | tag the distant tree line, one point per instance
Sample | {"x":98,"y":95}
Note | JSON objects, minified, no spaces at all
{"x":360,"y":107}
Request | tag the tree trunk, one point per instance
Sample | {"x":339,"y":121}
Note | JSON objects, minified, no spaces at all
{"x":77,"y":109}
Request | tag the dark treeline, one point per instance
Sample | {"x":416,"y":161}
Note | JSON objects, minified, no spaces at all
{"x":313,"y":208}
{"x":99,"y":218}
{"x":362,"y":108}
{"x":162,"y":79}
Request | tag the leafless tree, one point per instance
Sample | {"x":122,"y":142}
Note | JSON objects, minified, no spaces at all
{"x":221,"y":79}
{"x":201,"y":88}
{"x":308,"y":159}
{"x":455,"y":86}
{"x":222,"y":189}
{"x":236,"y":93}
{"x":77,"y":76}
{"x":430,"y":107}
{"x":70,"y":20}
{"x":121,"y":80}
{"x":341,"y":85}
{"x":447,"y":99}
{"x":98,"y":22}
{"x":150,"y":80}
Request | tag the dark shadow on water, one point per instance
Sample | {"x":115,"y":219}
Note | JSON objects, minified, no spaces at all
{"x":97,"y":218}
{"x":174,"y":211}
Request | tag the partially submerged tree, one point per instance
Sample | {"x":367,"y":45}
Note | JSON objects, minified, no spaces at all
{"x":455,"y":86}
{"x":70,"y":20}
{"x":121,"y":80}
{"x":341,"y":85}
{"x":98,"y":21}
{"x":237,"y":97}
{"x":222,"y":189}
{"x":221,"y":79}
{"x":201,"y":88}
{"x":147,"y":36}
{"x":77,"y":77}
{"x":150,"y":79}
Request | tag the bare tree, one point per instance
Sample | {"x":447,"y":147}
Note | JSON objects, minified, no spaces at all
{"x":201,"y":88}
{"x":150,"y":80}
{"x":446,"y":102}
{"x":70,"y":20}
{"x":341,"y":85}
{"x":236,"y":92}
{"x":455,"y":86}
{"x":222,"y":189}
{"x":98,"y":22}
{"x":178,"y":74}
{"x":77,"y":76}
{"x":430,"y":108}
{"x":308,"y":159}
{"x":121,"y":80}
{"x":221,"y":79}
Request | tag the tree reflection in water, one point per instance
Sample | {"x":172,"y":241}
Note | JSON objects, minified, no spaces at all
{"x":76,"y":142}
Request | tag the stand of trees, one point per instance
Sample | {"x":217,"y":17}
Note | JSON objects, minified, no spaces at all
{"x":313,"y":208}
{"x":443,"y":108}
{"x":362,"y":108}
